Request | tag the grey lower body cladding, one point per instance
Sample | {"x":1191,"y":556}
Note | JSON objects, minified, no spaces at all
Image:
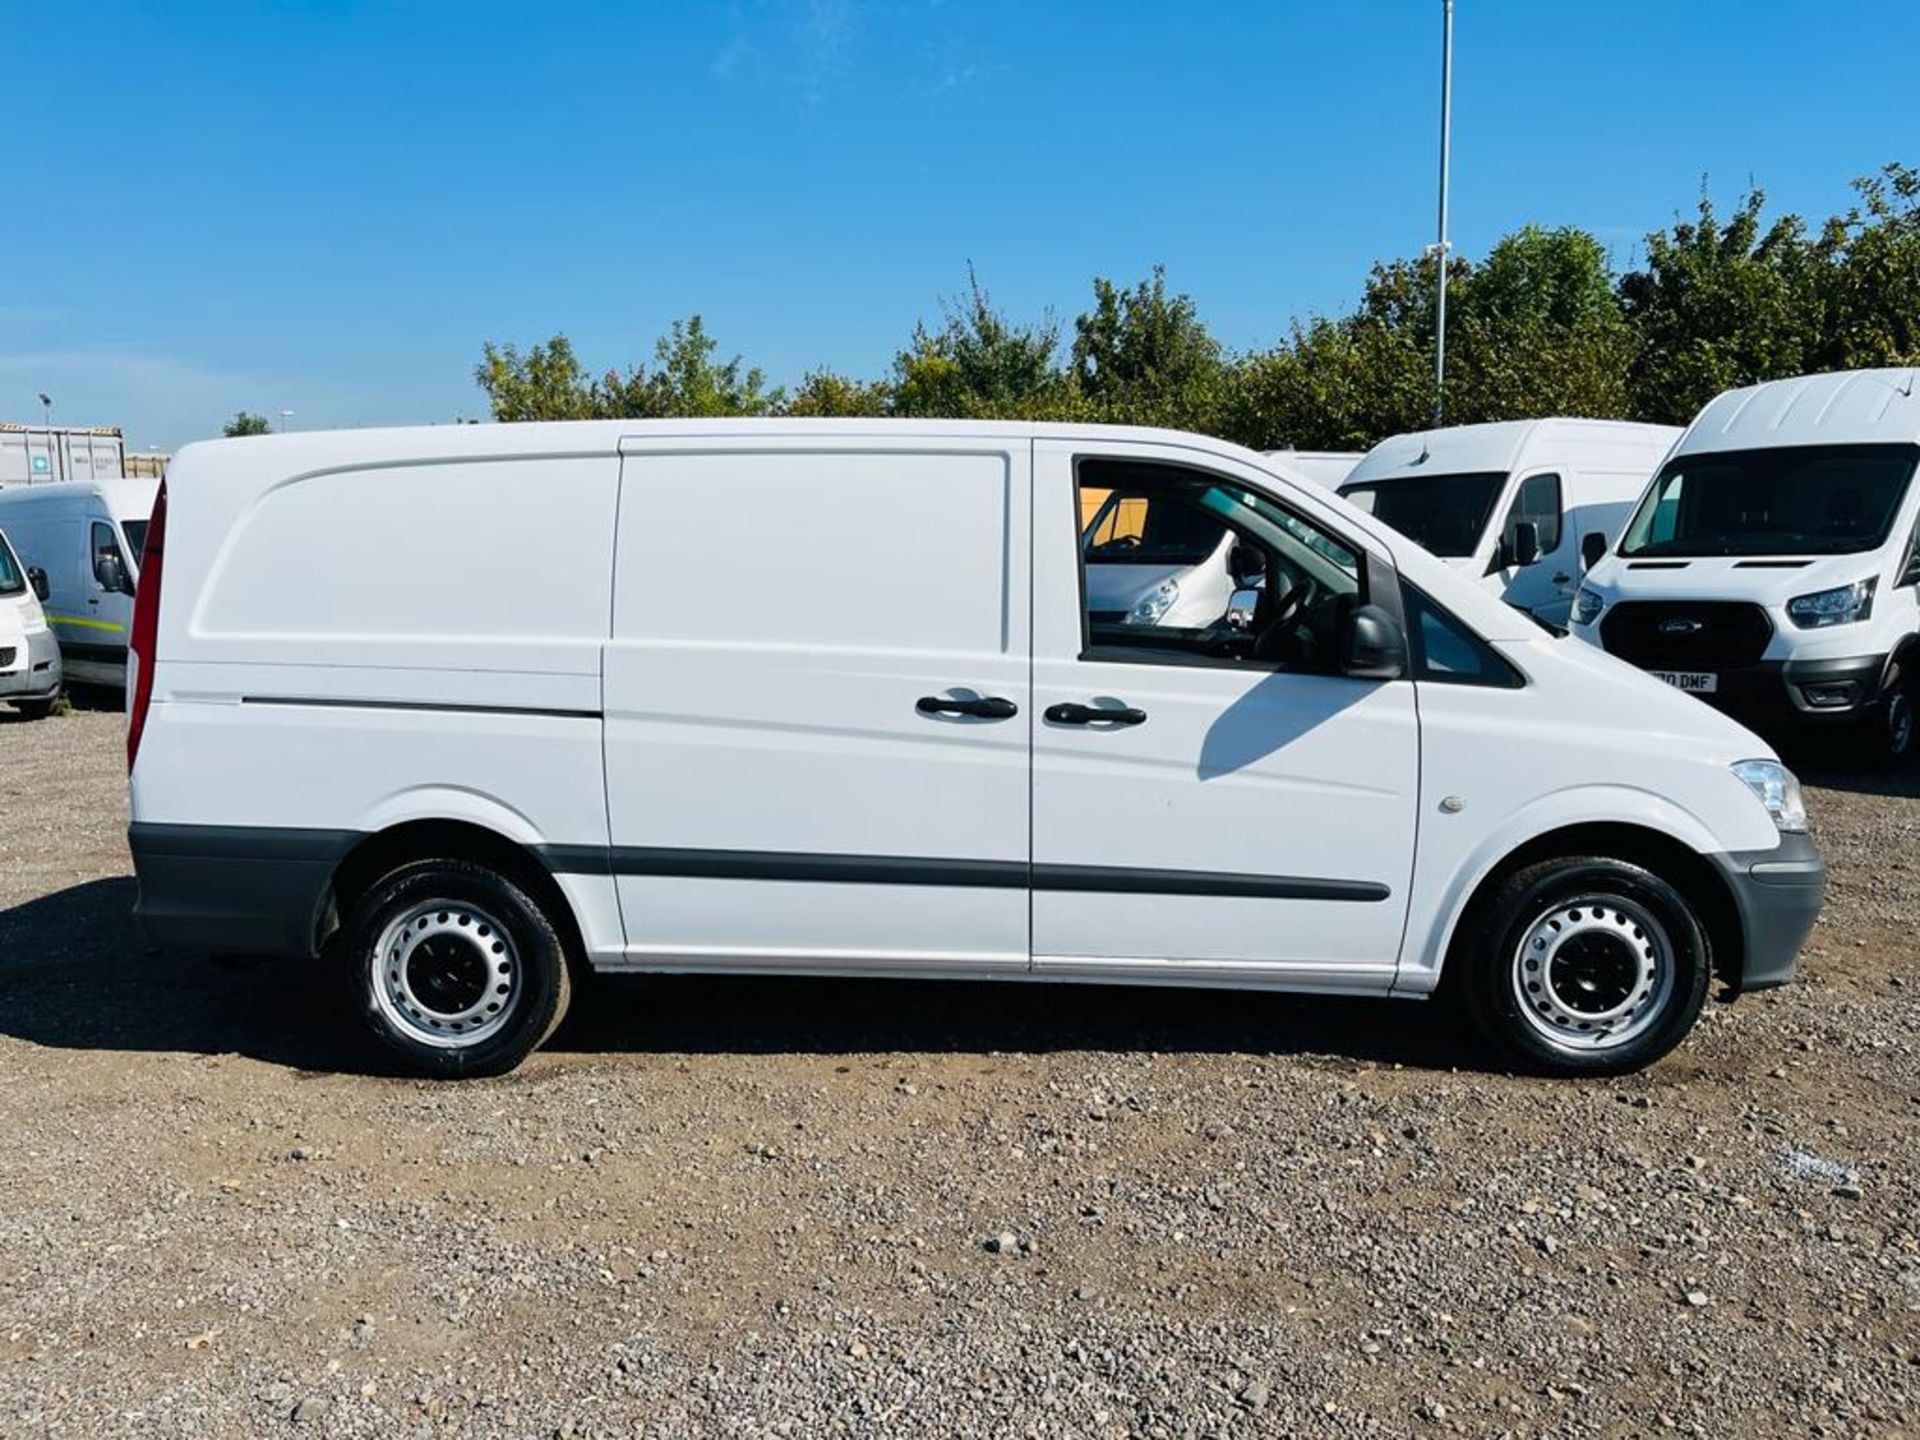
{"x":262,"y":890}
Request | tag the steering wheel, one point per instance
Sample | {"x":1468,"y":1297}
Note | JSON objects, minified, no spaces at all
{"x":1286,"y":614}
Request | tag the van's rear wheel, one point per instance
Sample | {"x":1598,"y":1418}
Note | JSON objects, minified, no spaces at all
{"x":1583,"y":965}
{"x":456,"y":968}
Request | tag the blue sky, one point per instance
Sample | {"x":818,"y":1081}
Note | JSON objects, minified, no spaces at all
{"x":327,"y":207}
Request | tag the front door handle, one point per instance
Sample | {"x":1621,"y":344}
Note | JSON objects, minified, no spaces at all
{"x":1071,"y":714}
{"x":984,"y":707}
{"x":1563,"y":578}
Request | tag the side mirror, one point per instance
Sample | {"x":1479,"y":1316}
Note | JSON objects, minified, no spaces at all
{"x":1372,"y":645}
{"x":110,"y":572}
{"x":1593,"y":547}
{"x":37,"y":578}
{"x":1524,"y":547}
{"x":1241,"y":606}
{"x":1246,"y":564}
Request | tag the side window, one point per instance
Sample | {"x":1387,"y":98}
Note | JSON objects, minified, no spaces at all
{"x":1539,"y":501}
{"x":1446,"y":651}
{"x":1182,"y":566}
{"x":1910,"y":573}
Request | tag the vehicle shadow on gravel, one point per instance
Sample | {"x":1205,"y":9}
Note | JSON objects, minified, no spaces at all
{"x":75,"y":974}
{"x":764,"y":1015}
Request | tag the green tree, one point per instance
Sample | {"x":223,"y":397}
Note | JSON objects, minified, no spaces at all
{"x":1540,"y":332}
{"x":548,"y":382}
{"x":1719,"y":304}
{"x":1142,"y":357}
{"x":245,"y":422}
{"x":828,"y":393}
{"x":980,"y":365}
{"x":1870,"y":277}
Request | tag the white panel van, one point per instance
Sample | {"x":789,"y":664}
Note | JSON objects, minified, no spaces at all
{"x":86,"y":535}
{"x":30,"y":672}
{"x":1523,"y":506}
{"x":461,"y":710}
{"x":1773,"y":565}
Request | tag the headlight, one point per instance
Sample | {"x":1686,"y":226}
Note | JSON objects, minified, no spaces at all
{"x":1152,"y":607}
{"x":33,"y":618}
{"x":1832,"y":607}
{"x":1587,"y":606}
{"x":1773,"y":786}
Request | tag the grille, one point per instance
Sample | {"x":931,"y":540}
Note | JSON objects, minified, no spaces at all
{"x":1680,"y":635}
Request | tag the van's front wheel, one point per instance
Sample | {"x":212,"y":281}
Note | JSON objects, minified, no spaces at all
{"x":455,"y":968}
{"x":1584,"y":965}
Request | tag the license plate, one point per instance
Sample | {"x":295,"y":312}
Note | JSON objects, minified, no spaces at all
{"x":1694,"y":682}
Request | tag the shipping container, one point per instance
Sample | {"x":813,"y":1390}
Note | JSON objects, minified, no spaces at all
{"x":41,"y":454}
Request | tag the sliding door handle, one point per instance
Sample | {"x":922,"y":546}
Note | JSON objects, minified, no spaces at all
{"x":984,"y":707}
{"x":1071,"y":714}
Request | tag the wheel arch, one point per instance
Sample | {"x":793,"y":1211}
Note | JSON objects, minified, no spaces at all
{"x":381,"y":852}
{"x":1675,"y":861}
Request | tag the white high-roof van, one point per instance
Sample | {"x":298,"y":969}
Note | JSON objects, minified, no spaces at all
{"x":1323,"y":467}
{"x":1771,"y":567}
{"x":30,"y":672}
{"x":459,"y":708}
{"x":86,"y":536}
{"x":1523,"y":506}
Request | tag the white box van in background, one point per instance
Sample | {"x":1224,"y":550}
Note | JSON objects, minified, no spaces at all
{"x":457,"y":709}
{"x":30,"y":673}
{"x":87,"y":536}
{"x":1521,"y":506}
{"x":1771,"y":568}
{"x":1323,"y":467}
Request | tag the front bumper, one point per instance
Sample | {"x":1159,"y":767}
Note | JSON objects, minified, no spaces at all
{"x":35,"y":675}
{"x":1777,"y":893}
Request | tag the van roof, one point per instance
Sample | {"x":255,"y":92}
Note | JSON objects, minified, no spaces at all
{"x":1846,"y":407}
{"x":129,"y":498}
{"x":1505,"y":445}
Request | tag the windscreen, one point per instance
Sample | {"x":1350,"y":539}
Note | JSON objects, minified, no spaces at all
{"x":1444,"y":515}
{"x":136,"y":533}
{"x":12,"y":580}
{"x":1793,"y":500}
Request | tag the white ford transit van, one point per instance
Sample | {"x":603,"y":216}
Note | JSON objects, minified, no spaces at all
{"x":458,"y":708}
{"x":1523,"y":506}
{"x":1771,"y":569}
{"x":29,"y":656}
{"x":86,"y":535}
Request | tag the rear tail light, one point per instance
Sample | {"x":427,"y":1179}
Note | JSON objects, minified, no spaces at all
{"x":146,"y":627}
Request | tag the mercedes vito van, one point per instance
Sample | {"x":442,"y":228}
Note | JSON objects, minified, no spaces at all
{"x":1522,"y":506}
{"x":1771,"y":566}
{"x":458,"y":710}
{"x":86,"y":536}
{"x":29,"y":656}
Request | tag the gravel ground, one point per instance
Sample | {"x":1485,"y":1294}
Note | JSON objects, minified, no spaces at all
{"x":812,"y":1208}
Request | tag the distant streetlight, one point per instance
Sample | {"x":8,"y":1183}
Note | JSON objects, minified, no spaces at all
{"x":1440,"y":246}
{"x":46,"y":409}
{"x":285,"y":416}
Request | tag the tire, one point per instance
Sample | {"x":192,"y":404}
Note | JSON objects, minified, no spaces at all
{"x":1582,"y":965}
{"x":1893,"y":726}
{"x":37,"y":709}
{"x":455,"y":968}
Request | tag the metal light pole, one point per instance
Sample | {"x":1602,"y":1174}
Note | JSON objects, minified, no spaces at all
{"x":1440,"y":246}
{"x":285,"y":416}
{"x":46,"y":409}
